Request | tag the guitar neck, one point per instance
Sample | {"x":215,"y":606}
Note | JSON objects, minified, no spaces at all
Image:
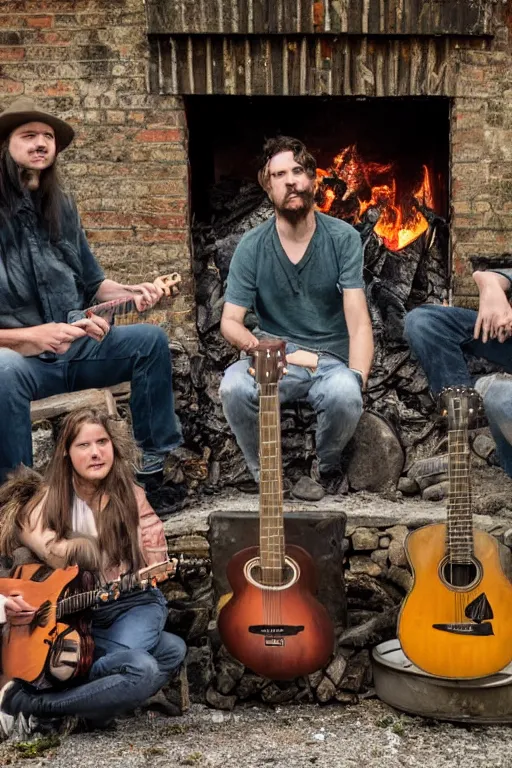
{"x":76,"y":603}
{"x":124,"y":312}
{"x":460,"y":521}
{"x":141,"y":580}
{"x":272,"y":550}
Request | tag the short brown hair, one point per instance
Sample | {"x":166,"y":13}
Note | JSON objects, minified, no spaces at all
{"x":273,"y":147}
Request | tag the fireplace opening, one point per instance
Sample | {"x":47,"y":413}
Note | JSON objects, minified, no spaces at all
{"x":383,"y":166}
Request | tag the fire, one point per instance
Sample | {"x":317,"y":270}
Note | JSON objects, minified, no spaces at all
{"x":356,"y":186}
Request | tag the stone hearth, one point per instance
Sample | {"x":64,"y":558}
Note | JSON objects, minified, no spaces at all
{"x":376,"y":576}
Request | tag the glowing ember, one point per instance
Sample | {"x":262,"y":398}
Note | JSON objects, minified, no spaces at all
{"x":356,"y":186}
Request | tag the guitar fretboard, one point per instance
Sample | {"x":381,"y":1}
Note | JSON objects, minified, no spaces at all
{"x":459,"y":524}
{"x":75,"y":603}
{"x":272,"y":549}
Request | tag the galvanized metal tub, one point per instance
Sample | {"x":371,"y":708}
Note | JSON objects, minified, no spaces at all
{"x":402,"y":685}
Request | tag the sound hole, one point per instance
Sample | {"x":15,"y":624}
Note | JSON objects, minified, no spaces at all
{"x":461,"y":575}
{"x":272,"y":578}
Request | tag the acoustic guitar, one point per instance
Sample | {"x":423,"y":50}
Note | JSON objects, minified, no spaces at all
{"x":27,"y":649}
{"x":457,"y":620}
{"x":273,"y":623}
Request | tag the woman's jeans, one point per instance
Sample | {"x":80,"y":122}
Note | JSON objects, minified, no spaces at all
{"x":440,"y":337}
{"x":134,"y":658}
{"x":136,"y":353}
{"x":332,"y":390}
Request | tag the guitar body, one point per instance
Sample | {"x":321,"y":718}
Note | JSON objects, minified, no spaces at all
{"x":460,"y":646}
{"x":25,"y":649}
{"x":281,"y":632}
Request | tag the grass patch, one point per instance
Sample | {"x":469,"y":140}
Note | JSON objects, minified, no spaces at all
{"x":29,"y":750}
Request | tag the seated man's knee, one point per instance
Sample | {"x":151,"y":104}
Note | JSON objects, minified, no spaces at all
{"x":12,"y":366}
{"x":237,"y":383}
{"x":342,"y":396}
{"x":419,"y":322}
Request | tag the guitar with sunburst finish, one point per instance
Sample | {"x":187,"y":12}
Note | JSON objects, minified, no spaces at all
{"x":273,"y":623}
{"x":457,"y":620}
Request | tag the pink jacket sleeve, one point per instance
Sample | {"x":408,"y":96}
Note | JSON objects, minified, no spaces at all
{"x":152,"y":537}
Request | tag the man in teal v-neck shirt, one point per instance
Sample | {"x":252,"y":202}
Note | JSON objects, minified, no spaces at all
{"x":301,"y":273}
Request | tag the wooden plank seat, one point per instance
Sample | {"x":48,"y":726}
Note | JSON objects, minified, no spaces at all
{"x":49,"y":408}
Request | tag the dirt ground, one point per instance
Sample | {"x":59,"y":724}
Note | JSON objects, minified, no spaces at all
{"x":370,"y":735}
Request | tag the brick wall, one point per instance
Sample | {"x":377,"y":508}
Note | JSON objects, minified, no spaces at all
{"x":87,"y":61}
{"x":482,"y":156}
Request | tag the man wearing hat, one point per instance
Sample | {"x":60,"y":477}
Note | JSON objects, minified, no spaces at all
{"x":48,"y":276}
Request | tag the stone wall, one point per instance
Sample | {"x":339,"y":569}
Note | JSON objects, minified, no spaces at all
{"x":377,"y":577}
{"x":87,"y":60}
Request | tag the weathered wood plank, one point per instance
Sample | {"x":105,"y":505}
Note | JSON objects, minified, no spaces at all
{"x":58,"y":405}
{"x":305,"y":65}
{"x":354,"y":17}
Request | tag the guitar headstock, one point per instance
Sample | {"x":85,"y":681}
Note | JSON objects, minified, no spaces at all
{"x":268,"y":361}
{"x":461,"y":406}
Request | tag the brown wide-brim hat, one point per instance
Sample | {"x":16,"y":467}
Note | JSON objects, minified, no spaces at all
{"x":24,"y":110}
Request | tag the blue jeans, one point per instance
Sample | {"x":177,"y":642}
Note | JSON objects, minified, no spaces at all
{"x":440,"y":337}
{"x":136,"y":353}
{"x":332,"y":390}
{"x":134,"y":659}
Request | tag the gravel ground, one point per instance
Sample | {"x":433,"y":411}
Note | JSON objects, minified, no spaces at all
{"x":369,"y":734}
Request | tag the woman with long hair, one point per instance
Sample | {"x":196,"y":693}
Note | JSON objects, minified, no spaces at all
{"x":89,"y":512}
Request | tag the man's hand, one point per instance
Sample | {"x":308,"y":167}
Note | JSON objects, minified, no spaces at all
{"x":17,"y":611}
{"x":49,"y":337}
{"x":145,"y":295}
{"x":169,"y":283}
{"x":494,"y":319}
{"x":94,"y":326}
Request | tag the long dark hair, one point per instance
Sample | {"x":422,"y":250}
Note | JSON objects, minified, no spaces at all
{"x":117,"y":522}
{"x":51,"y":196}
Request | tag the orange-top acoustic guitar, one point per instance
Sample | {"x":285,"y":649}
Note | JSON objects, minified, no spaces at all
{"x":457,"y":620}
{"x":27,"y":648}
{"x":273,"y":623}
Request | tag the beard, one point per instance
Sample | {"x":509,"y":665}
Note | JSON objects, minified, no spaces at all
{"x":295,"y":215}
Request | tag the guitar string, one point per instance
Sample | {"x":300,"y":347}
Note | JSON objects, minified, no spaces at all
{"x":272,"y":540}
{"x":459,"y":519}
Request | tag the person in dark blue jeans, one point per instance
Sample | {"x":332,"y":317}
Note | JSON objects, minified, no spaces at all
{"x":48,"y":277}
{"x":105,"y":526}
{"x":442,"y":337}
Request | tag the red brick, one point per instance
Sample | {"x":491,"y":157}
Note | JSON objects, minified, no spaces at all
{"x":60,"y":88}
{"x":54,"y":38}
{"x":40,"y":21}
{"x":12,"y":54}
{"x":107,"y":219}
{"x":160,"y":135}
{"x":165,"y":222}
{"x":10,"y":86}
{"x":162,"y":236}
{"x":109,"y":235}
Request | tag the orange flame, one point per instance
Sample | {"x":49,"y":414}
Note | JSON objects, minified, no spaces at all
{"x":398,"y":224}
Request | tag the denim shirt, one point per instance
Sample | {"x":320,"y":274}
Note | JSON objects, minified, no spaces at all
{"x":43,"y":281}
